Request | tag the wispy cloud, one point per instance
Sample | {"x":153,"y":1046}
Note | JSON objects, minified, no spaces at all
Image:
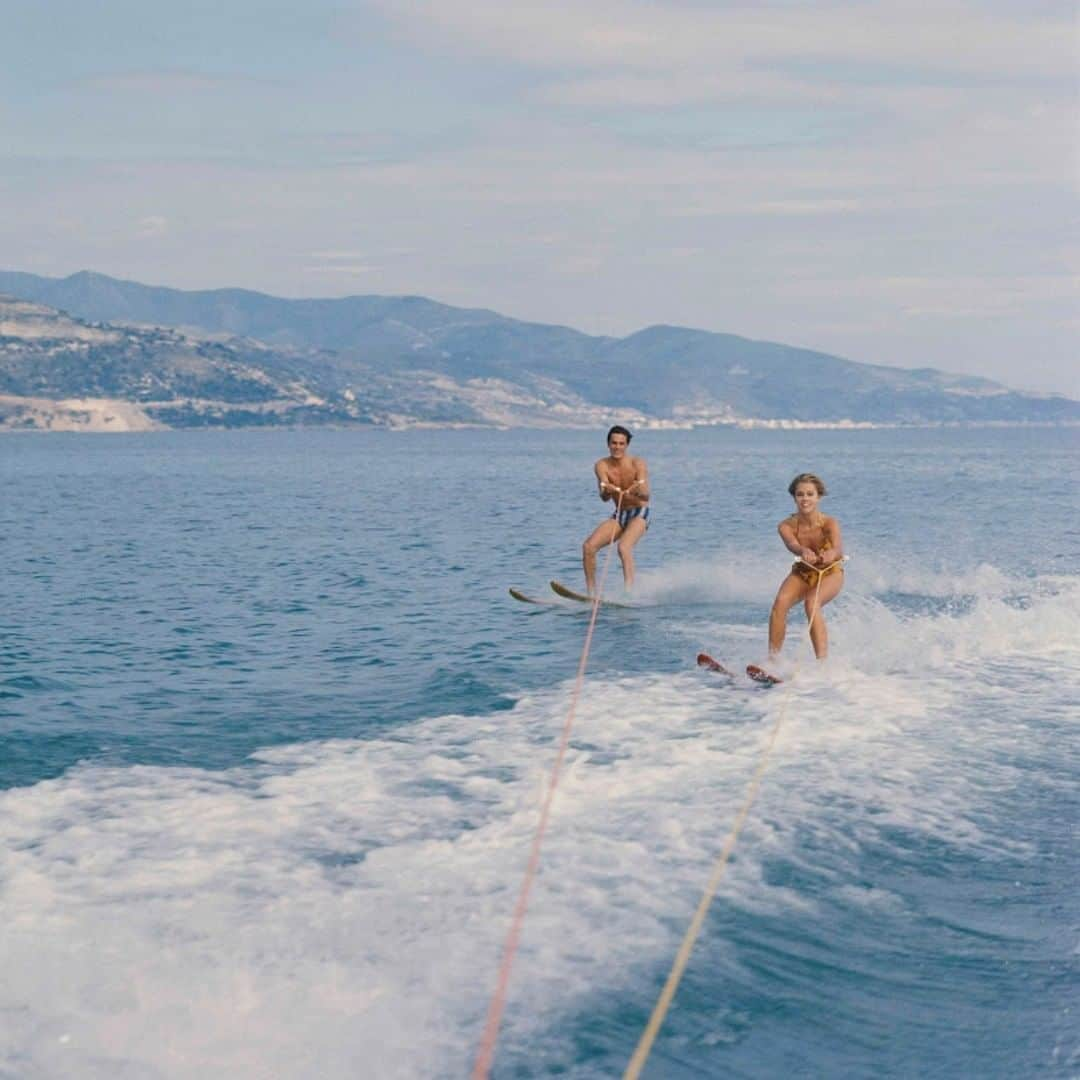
{"x":152,"y":225}
{"x":159,"y":83}
{"x":802,"y":207}
{"x":628,"y":37}
{"x":340,"y":269}
{"x":889,"y":179}
{"x":338,"y":256}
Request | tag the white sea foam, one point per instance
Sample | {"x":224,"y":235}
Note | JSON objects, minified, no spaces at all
{"x":754,"y":577}
{"x":881,"y":574}
{"x":337,"y":909}
{"x":717,"y":578}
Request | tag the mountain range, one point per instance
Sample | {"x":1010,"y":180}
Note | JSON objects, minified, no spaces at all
{"x":92,"y":351}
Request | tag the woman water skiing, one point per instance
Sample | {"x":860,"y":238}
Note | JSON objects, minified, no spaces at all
{"x":817,"y":575}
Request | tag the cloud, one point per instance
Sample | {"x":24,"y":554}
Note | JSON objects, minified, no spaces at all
{"x":341,"y":269}
{"x":745,"y":47}
{"x":951,"y":296}
{"x":682,"y":87}
{"x":165,"y":82}
{"x":802,"y":207}
{"x":152,"y":226}
{"x":586,"y":264}
{"x":888,"y":180}
{"x":338,"y":256}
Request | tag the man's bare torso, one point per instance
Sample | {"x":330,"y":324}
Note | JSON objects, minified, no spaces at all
{"x":621,"y":473}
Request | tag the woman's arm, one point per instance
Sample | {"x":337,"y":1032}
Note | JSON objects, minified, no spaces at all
{"x":835,"y":550}
{"x":791,"y":542}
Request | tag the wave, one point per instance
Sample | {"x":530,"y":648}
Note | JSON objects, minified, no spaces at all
{"x":738,"y":577}
{"x":346,"y":900}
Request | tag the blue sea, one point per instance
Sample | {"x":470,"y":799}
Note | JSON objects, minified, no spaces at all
{"x":274,"y":738}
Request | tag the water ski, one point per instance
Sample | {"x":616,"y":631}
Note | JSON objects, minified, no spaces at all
{"x":706,"y":661}
{"x":517,"y":594}
{"x":568,"y":594}
{"x":760,"y":675}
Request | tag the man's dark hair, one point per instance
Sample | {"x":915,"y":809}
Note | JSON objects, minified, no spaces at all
{"x":618,"y":429}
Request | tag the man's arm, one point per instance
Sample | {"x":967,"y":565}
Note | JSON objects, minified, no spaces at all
{"x":640,"y":488}
{"x":607,"y":491}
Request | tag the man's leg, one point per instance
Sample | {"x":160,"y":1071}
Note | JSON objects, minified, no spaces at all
{"x":633,"y":532}
{"x":605,"y":533}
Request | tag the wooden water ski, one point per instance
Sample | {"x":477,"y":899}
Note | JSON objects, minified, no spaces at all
{"x":569,"y":594}
{"x":757,"y":674}
{"x":760,"y":675}
{"x":706,"y":661}
{"x":517,"y":594}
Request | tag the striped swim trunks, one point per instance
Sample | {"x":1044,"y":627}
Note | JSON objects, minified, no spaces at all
{"x":626,"y":516}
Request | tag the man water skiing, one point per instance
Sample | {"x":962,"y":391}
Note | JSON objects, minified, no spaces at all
{"x":624,"y":480}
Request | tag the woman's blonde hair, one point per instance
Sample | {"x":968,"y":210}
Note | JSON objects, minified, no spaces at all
{"x":807,"y":478}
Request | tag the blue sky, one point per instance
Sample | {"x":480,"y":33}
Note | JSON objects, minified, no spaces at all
{"x":891,"y":181}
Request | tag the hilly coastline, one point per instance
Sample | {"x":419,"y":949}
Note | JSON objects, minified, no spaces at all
{"x":96,"y":353}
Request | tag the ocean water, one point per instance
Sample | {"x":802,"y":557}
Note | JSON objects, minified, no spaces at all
{"x":273,"y":739}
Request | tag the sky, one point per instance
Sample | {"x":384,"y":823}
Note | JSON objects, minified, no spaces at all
{"x":893,"y":181}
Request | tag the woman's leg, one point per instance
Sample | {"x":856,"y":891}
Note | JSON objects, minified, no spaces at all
{"x":791,"y":591}
{"x":607,"y":532}
{"x":816,"y":599}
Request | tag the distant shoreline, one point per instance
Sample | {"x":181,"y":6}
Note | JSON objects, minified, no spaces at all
{"x":111,"y":421}
{"x":91,"y":352}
